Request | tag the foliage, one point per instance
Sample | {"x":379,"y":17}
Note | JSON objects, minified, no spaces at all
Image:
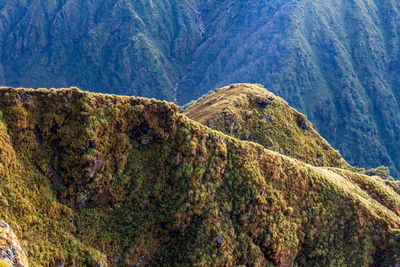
{"x":4,"y":263}
{"x":335,"y":61}
{"x":249,"y":112}
{"x":143,"y":184}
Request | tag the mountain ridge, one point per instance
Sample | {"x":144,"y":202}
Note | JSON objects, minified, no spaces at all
{"x":250,"y":112}
{"x":337,"y":62}
{"x":142,"y":184}
{"x":319,"y":57}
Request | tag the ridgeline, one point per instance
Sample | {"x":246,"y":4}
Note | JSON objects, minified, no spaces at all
{"x":105,"y":180}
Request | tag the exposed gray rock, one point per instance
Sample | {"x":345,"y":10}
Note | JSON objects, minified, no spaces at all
{"x":10,"y":250}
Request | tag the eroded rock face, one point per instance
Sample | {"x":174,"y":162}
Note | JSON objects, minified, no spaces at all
{"x":10,"y":250}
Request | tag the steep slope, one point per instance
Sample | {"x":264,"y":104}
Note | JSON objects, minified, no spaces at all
{"x":129,"y":46}
{"x":92,"y":179}
{"x":250,"y":112}
{"x":336,"y":61}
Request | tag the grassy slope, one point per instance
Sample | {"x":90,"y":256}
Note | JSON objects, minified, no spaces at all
{"x":250,"y":112}
{"x":96,"y":178}
{"x":336,"y":61}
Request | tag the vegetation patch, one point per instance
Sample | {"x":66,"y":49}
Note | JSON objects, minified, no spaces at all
{"x":96,"y":179}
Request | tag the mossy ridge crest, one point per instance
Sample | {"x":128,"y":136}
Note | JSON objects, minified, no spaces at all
{"x":250,"y":112}
{"x":123,"y":180}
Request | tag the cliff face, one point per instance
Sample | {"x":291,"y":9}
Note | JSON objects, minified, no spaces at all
{"x":92,"y":179}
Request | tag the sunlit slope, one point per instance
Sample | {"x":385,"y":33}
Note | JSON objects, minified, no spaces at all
{"x":250,"y":112}
{"x":90,"y":179}
{"x":336,"y":61}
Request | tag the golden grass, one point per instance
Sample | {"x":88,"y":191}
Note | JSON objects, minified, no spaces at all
{"x":235,"y":110}
{"x":161,"y":187}
{"x":4,"y":263}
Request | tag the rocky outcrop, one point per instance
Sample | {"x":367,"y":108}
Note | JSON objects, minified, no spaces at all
{"x":10,"y":249}
{"x":381,"y":171}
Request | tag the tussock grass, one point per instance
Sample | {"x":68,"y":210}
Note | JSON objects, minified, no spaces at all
{"x":91,"y":179}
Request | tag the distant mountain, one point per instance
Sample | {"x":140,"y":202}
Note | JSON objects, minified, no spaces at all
{"x":125,"y":47}
{"x":101,"y":180}
{"x":337,"y":61}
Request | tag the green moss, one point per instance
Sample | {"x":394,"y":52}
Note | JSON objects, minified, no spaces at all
{"x":129,"y":180}
{"x":250,"y":112}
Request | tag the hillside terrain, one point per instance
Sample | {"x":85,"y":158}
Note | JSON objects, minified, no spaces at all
{"x":250,"y":112}
{"x":105,"y":180}
{"x":129,"y":46}
{"x":336,"y":61}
